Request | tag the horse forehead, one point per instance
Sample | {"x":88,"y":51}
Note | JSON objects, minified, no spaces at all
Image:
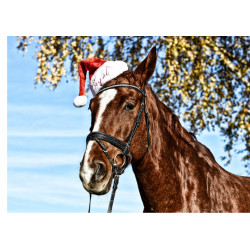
{"x":104,"y":99}
{"x":107,"y":96}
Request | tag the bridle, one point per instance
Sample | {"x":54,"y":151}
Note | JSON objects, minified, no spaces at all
{"x":124,"y":147}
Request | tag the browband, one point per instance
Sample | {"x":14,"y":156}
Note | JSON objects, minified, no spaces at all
{"x":122,"y":86}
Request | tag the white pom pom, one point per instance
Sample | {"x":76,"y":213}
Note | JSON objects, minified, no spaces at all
{"x":80,"y":101}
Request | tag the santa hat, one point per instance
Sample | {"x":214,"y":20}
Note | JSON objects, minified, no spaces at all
{"x":100,"y":72}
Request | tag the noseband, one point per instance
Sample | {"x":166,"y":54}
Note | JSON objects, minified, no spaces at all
{"x":124,"y":147}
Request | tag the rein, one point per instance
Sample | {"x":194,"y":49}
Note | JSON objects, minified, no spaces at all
{"x":124,"y":147}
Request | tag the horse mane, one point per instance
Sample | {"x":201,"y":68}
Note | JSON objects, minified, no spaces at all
{"x":173,"y":124}
{"x":175,"y":127}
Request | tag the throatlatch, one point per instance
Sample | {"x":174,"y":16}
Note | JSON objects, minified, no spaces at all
{"x":124,"y":147}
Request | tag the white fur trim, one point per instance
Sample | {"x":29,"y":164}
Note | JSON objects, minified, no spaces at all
{"x":108,"y":71}
{"x":80,"y":101}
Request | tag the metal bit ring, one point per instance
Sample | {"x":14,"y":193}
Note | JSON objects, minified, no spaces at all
{"x":122,"y":156}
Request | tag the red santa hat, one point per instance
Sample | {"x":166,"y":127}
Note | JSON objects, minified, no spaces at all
{"x":100,"y":72}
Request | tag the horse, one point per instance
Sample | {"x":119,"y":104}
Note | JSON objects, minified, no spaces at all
{"x":174,"y":172}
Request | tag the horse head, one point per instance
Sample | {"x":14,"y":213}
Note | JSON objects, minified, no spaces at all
{"x":114,"y":112}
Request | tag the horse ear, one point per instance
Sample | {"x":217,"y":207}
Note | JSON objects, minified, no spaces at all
{"x":147,"y":67}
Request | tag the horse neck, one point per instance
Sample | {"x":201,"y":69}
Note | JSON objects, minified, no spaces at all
{"x":158,"y":173}
{"x":179,"y":174}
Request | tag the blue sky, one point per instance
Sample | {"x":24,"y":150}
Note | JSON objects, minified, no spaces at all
{"x":46,"y":142}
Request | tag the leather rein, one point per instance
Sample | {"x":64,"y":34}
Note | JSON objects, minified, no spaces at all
{"x":124,"y":147}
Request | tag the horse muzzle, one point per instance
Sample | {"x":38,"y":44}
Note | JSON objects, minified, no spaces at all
{"x":97,"y":178}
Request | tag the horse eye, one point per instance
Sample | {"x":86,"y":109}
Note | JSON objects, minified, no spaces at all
{"x":129,"y":106}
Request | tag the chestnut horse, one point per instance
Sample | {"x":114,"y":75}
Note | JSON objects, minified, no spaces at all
{"x":174,"y":172}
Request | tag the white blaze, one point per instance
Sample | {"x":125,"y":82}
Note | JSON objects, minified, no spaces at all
{"x":105,"y":98}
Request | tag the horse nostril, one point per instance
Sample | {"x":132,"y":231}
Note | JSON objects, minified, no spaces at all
{"x":100,"y":170}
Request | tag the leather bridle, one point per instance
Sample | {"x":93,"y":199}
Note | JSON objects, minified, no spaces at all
{"x":124,"y":147}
